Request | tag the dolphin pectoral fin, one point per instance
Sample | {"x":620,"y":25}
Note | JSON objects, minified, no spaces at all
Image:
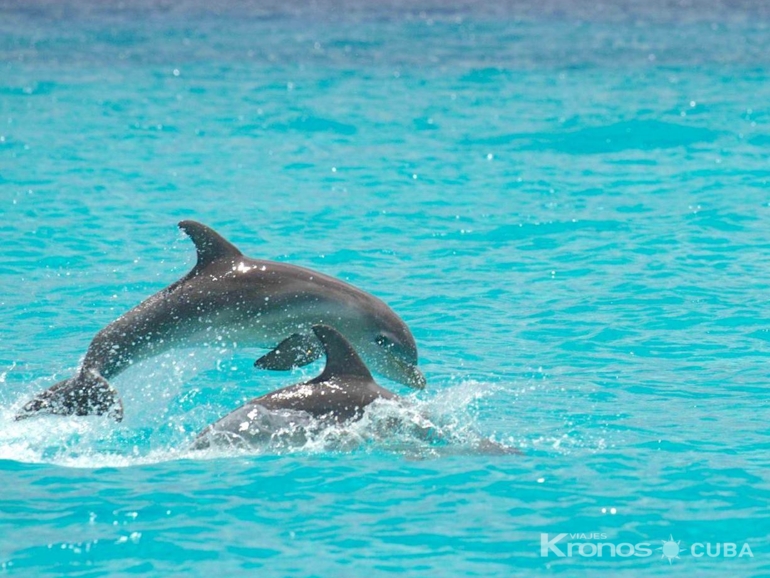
{"x":88,"y":394}
{"x":296,"y":350}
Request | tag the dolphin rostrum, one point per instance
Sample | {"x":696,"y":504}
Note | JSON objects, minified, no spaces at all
{"x":339,"y":394}
{"x":230,"y":298}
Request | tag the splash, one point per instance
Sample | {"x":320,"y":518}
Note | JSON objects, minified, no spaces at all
{"x":445,"y":423}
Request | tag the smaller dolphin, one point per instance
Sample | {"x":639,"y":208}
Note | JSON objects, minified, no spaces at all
{"x":339,"y":394}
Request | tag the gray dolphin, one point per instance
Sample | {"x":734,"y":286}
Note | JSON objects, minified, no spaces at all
{"x":339,"y":394}
{"x":230,"y":298}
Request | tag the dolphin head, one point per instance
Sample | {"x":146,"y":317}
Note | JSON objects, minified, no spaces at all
{"x":388,"y":346}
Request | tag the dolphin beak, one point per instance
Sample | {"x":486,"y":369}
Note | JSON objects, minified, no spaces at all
{"x":419,"y":379}
{"x":414,"y":378}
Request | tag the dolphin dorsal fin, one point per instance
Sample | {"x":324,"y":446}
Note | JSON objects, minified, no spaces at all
{"x":210,"y":245}
{"x":341,"y":358}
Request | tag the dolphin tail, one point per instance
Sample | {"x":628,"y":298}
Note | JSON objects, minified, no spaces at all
{"x":487,"y":447}
{"x":88,"y":393}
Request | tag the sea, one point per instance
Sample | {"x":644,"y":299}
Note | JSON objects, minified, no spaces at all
{"x":566,"y":201}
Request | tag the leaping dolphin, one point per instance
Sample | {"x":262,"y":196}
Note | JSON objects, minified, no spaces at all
{"x":228,"y":297}
{"x":339,"y":394}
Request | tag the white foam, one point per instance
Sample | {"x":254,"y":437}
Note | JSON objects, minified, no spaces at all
{"x":419,"y":425}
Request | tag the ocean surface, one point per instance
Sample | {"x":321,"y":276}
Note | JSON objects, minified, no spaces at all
{"x":567,"y":202}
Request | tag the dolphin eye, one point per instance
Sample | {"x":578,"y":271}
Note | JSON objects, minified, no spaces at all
{"x":383,"y":341}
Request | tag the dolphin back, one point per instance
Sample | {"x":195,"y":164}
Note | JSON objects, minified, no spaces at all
{"x":87,"y":393}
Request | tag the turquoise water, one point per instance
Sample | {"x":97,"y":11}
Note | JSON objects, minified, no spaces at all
{"x":567,"y":203}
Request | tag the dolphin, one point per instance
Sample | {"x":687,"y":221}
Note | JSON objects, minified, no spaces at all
{"x":339,"y":394}
{"x":230,"y":298}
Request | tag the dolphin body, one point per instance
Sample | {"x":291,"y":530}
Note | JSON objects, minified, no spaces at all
{"x":230,"y":298}
{"x":340,"y":394}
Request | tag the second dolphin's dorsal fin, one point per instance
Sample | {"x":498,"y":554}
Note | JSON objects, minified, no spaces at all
{"x":209,"y":244}
{"x":341,"y":358}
